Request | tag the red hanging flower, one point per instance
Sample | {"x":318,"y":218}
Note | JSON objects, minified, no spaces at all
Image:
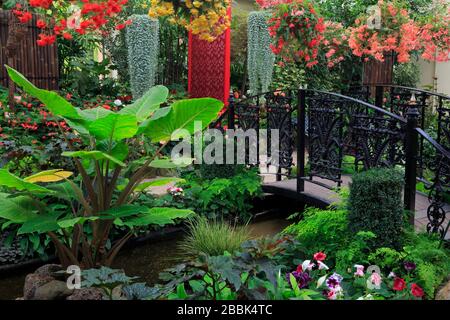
{"x":92,"y":17}
{"x":45,"y":40}
{"x":25,"y":17}
{"x":41,"y":24}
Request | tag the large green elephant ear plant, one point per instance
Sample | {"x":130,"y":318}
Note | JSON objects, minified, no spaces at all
{"x":102,"y":192}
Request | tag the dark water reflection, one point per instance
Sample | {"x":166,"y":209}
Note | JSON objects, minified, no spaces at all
{"x":145,"y":261}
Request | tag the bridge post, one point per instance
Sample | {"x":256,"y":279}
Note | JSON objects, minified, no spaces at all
{"x":301,"y":144}
{"x":231,"y":113}
{"x":379,"y":96}
{"x":411,"y":153}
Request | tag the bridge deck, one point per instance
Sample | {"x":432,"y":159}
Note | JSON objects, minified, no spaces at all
{"x":316,"y":195}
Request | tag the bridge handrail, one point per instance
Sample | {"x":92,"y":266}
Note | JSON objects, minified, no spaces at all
{"x":366,"y":104}
{"x":431,"y":93}
{"x":433,"y":142}
{"x":338,"y":95}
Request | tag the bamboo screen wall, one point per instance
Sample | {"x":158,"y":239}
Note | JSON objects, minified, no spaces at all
{"x":38,"y":64}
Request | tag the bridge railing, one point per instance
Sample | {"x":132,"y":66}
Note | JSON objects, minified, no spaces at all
{"x":433,"y":108}
{"x":437,"y":184}
{"x":323,"y":130}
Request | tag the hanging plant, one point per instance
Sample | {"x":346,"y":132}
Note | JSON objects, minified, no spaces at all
{"x":208,"y":19}
{"x":142,"y":38}
{"x":69,"y":18}
{"x":297,"y":31}
{"x":300,"y":34}
{"x":259,"y":55}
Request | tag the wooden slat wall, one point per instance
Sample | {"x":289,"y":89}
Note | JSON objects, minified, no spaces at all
{"x":38,"y":64}
{"x":379,"y":73}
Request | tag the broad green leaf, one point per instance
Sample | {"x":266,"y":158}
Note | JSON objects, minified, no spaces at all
{"x":63,"y":190}
{"x":11,"y":181}
{"x":114,"y":127}
{"x":80,"y":126}
{"x":119,"y":149}
{"x":159,"y":113}
{"x":183,"y":115}
{"x":94,"y":113}
{"x":156,"y":183}
{"x":49,"y":176}
{"x":71,"y":222}
{"x":162,"y":112}
{"x":40,"y":224}
{"x":171,"y":163}
{"x":94,"y":154}
{"x":122,"y":211}
{"x":18,"y":209}
{"x":158,"y":216}
{"x":147,"y":104}
{"x":54,"y":103}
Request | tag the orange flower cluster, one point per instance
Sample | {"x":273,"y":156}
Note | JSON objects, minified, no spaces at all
{"x":401,"y":34}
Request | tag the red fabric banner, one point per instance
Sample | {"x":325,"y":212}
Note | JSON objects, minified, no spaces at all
{"x":209,"y":66}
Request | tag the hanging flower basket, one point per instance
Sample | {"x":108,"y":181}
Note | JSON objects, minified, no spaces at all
{"x":300,"y":34}
{"x":208,"y":19}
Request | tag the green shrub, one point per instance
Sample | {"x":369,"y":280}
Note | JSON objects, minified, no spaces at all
{"x":375,"y":204}
{"x":223,"y":198}
{"x":143,"y":46}
{"x":213,"y":237}
{"x":214,"y":170}
{"x":321,"y":230}
{"x":386,"y":258}
{"x":433,"y":263}
{"x":407,"y":74}
{"x":355,"y":251}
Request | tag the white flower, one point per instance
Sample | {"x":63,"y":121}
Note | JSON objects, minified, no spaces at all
{"x":321,"y":281}
{"x":118,"y":102}
{"x":366,"y":297}
{"x":391,"y":275}
{"x":322,"y":266}
{"x":307,"y":265}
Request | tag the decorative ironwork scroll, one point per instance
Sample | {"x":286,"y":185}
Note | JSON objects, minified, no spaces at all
{"x":325,"y":132}
{"x":279,"y":117}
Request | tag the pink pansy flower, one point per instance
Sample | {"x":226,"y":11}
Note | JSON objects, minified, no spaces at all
{"x":359,"y":270}
{"x":375,"y":278}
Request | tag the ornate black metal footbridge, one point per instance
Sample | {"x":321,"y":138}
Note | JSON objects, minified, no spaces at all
{"x":322,"y":134}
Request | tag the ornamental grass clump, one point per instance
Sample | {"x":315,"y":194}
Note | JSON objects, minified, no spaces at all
{"x":375,"y":204}
{"x":213,"y":237}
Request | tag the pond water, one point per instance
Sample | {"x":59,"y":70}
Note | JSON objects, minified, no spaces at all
{"x":145,"y":261}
